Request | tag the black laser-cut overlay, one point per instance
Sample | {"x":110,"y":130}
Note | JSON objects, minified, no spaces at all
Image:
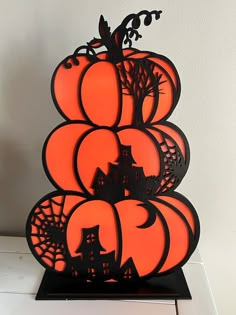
{"x":128,"y":271}
{"x":104,"y":266}
{"x":156,"y":71}
{"x":77,"y":152}
{"x":124,"y":180}
{"x":143,"y":76}
{"x":138,"y":80}
{"x":114,"y":41}
{"x":46,"y":229}
{"x":152,"y":209}
{"x":50,"y":230}
{"x":44,"y":158}
{"x":193,"y":237}
{"x":93,"y":264}
{"x":119,"y":88}
{"x":175,"y":167}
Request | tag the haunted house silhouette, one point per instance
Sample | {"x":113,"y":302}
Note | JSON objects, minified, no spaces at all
{"x":124,"y":180}
{"x":94,"y":265}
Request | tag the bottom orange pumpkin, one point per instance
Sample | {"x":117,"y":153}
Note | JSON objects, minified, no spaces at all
{"x":94,"y":239}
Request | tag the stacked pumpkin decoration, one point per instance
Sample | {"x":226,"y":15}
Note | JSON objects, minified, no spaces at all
{"x":115,"y":163}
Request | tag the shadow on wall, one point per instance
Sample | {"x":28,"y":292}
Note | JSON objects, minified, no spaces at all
{"x":27,"y":117}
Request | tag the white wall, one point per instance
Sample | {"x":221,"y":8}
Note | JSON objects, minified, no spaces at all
{"x":199,"y":37}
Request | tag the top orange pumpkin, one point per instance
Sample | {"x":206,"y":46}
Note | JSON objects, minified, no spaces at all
{"x":119,"y":86}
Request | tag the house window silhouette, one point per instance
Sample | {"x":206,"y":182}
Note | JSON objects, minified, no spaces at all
{"x":125,"y":153}
{"x":125,"y":179}
{"x":101,"y":181}
{"x":106,"y":269}
{"x":91,"y":255}
{"x":128,"y":273}
{"x":92,"y":272}
{"x":90,"y":238}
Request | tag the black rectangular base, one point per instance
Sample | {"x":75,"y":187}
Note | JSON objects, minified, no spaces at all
{"x":58,"y":287}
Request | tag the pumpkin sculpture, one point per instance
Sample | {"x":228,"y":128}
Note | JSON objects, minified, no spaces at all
{"x":115,"y":163}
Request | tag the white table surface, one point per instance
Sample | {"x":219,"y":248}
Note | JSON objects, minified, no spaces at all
{"x":21,"y":274}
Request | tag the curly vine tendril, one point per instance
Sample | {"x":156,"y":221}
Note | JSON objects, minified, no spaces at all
{"x":90,"y":53}
{"x":127,"y":33}
{"x":136,"y":17}
{"x":114,"y":41}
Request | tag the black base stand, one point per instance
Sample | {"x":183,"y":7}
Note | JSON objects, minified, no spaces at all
{"x":57,"y":287}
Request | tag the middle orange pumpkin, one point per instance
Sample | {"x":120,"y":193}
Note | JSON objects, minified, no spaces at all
{"x":74,"y":152}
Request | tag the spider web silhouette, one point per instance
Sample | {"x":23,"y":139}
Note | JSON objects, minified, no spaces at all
{"x":174,"y":165}
{"x":48,"y":238}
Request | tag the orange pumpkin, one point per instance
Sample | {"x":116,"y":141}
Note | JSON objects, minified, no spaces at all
{"x":73,"y":152}
{"x":116,"y":87}
{"x":157,"y":235}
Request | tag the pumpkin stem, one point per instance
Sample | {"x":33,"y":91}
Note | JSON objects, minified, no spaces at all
{"x":124,"y":34}
{"x":114,"y":41}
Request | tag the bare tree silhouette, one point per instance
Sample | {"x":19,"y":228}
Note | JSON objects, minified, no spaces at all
{"x":139,"y":79}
